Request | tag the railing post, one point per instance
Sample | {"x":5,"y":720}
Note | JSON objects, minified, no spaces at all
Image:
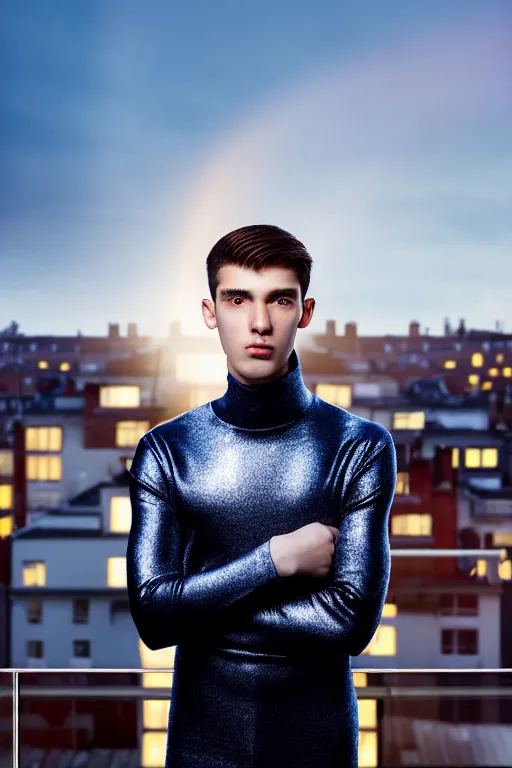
{"x":15,"y":720}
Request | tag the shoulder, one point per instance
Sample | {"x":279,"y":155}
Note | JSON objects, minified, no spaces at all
{"x":351,"y":425}
{"x":173,"y":429}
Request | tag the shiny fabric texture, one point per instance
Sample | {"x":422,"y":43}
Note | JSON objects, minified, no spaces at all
{"x":262,"y":674}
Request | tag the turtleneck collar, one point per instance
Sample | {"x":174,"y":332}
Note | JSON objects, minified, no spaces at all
{"x":263,"y":406}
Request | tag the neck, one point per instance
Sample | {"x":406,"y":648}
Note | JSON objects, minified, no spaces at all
{"x":274,"y":403}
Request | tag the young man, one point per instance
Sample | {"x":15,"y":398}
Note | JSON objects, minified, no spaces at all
{"x":259,"y":541}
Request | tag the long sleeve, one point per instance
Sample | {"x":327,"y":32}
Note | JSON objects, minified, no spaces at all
{"x":168,"y":608}
{"x":343,"y":616}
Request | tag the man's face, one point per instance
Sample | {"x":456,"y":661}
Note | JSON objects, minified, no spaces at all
{"x":257,"y":308}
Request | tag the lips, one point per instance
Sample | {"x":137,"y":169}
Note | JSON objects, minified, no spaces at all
{"x":259,"y":346}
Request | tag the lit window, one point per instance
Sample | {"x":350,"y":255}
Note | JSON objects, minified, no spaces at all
{"x":34,"y":573}
{"x":367,"y":749}
{"x":157,"y":680}
{"x":127,"y":462}
{"x":500,"y":357}
{"x":43,"y":365}
{"x":502,"y":539}
{"x":481,"y":457}
{"x":450,"y":364}
{"x":201,"y":369}
{"x":411,"y":525}
{"x":402,"y":483}
{"x":6,"y":463}
{"x":116,"y":572}
{"x":44,"y":468}
{"x":493,"y":372}
{"x":480,"y":570}
{"x":360,"y":679}
{"x":383,"y":643}
{"x":367,"y":717}
{"x":155,"y":713}
{"x":128,"y":433}
{"x":5,"y":496}
{"x":505,"y":570}
{"x":153,"y":749}
{"x":409,"y":420}
{"x":389,"y":611}
{"x":65,"y":366}
{"x":473,"y":378}
{"x":120,"y":514}
{"x":163,"y":658}
{"x":455,"y":458}
{"x":477,"y":360}
{"x":6,"y":526}
{"x":486,"y":385}
{"x":125,"y":396}
{"x":337,"y":394}
{"x":43,"y":438}
{"x":507,"y":371}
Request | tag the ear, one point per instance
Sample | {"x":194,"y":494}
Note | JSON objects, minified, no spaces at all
{"x":208,"y":309}
{"x":307,"y":314}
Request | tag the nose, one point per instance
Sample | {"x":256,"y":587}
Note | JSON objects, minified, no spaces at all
{"x":259,"y":319}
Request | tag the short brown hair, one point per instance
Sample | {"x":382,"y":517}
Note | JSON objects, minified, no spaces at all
{"x":256,"y":247}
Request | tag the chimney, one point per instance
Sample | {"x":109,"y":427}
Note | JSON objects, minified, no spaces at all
{"x":132,"y":330}
{"x":414,"y":330}
{"x":113,"y":331}
{"x":330,"y":328}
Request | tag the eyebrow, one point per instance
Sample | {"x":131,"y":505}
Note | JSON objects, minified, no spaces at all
{"x":291,"y":293}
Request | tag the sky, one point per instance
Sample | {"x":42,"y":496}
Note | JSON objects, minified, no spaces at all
{"x":134,"y":135}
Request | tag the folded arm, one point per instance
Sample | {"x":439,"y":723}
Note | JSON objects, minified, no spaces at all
{"x":343,"y":616}
{"x":167,"y":607}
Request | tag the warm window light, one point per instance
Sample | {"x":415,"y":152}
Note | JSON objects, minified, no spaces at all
{"x":389,"y":611}
{"x":44,"y":468}
{"x":6,"y":525}
{"x":157,"y":680}
{"x":367,"y":749}
{"x":6,"y":463}
{"x":128,"y":433}
{"x":502,"y":539}
{"x":486,"y":385}
{"x":500,"y":357}
{"x":367,"y":711}
{"x":155,"y":713}
{"x":360,"y":679}
{"x":481,"y":457}
{"x":120,"y":514}
{"x":116,"y":572}
{"x":64,"y":366}
{"x":120,"y":396}
{"x":163,"y":658}
{"x":337,"y":394}
{"x":201,"y":369}
{"x":450,"y":364}
{"x":383,"y":643}
{"x":473,"y":378}
{"x":493,"y":372}
{"x":480,"y":569}
{"x":5,"y":496}
{"x":411,"y":525}
{"x":34,"y":573}
{"x":153,"y":749}
{"x":43,"y":439}
{"x":402,"y":483}
{"x":505,"y":570}
{"x":43,"y":365}
{"x":455,"y":458}
{"x":409,"y":420}
{"x":477,"y":360}
{"x":507,"y":371}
